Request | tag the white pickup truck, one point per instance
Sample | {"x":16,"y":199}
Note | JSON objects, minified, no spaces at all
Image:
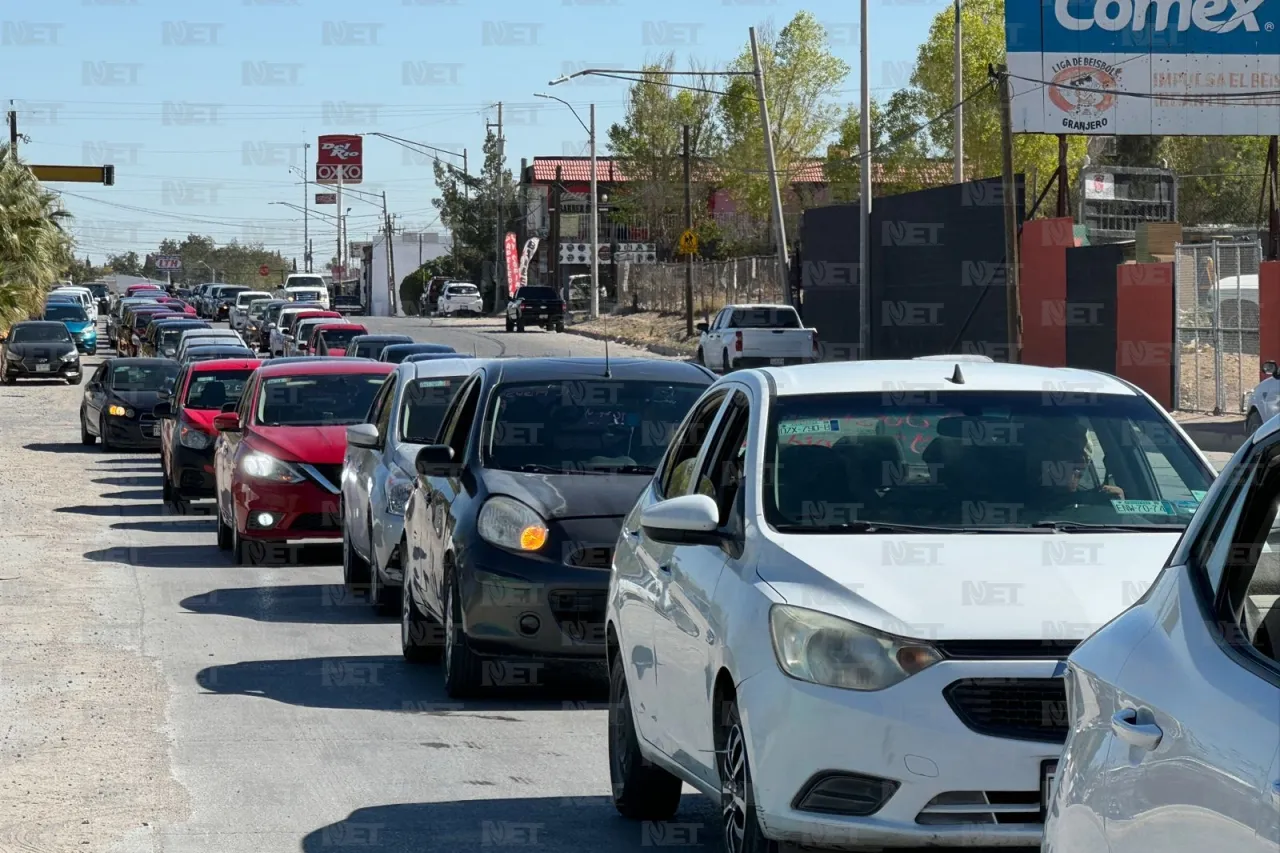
{"x":755,"y":336}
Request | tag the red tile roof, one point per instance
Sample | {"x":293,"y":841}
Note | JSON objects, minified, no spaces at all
{"x":578,"y":170}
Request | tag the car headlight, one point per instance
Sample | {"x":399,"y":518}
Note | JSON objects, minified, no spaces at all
{"x":71,"y":356}
{"x":170,"y":351}
{"x":119,"y":411}
{"x":260,"y":466}
{"x":508,"y":523}
{"x":398,"y":492}
{"x":196,"y":439}
{"x":835,"y":652}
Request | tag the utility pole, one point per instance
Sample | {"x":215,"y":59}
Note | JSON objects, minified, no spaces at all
{"x":499,"y":293}
{"x":779,"y":224}
{"x":958,"y":143}
{"x":553,"y":251}
{"x":1012,"y":302}
{"x":13,"y":132}
{"x":391,"y":266}
{"x":306,"y":209}
{"x":595,"y":225}
{"x":341,"y":271}
{"x":864,"y":201}
{"x":688,"y":224}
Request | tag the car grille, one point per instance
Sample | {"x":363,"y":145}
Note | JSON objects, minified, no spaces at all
{"x":332,"y":473}
{"x":957,"y":808}
{"x":579,"y":613}
{"x":321,"y":521}
{"x":1016,"y":708}
{"x":1006,"y":649}
{"x":147,"y":423}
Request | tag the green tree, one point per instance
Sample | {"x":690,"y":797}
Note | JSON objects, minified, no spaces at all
{"x":471,"y":205}
{"x":1219,"y":178}
{"x":649,"y":145}
{"x":800,"y":75}
{"x":415,"y":283}
{"x":898,"y":147}
{"x":34,"y":250}
{"x":1035,"y":155}
{"x":126,"y":263}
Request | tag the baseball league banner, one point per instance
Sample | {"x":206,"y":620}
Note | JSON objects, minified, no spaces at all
{"x":530,"y":247}
{"x":1144,"y":67}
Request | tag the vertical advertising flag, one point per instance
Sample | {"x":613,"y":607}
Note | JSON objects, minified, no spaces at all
{"x":513,"y":264}
{"x":530,"y":248}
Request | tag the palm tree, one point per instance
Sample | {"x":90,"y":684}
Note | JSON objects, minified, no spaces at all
{"x":34,"y":248}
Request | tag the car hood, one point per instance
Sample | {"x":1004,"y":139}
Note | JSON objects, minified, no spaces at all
{"x":1017,"y":586}
{"x":41,"y":349}
{"x":75,"y":327}
{"x":316,"y":445}
{"x":560,"y":496}
{"x":141,"y":400}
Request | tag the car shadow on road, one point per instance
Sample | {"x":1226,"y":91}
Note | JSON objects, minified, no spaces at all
{"x":117,"y":510}
{"x":549,"y":824}
{"x":388,"y":683}
{"x":151,"y":480}
{"x":322,"y":604}
{"x":162,"y":556}
{"x":134,"y":495}
{"x":177,"y":525}
{"x":67,"y":447}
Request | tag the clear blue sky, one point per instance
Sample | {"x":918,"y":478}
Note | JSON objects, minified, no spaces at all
{"x":202,"y":106}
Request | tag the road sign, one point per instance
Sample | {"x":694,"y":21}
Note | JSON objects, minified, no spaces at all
{"x":341,"y":150}
{"x":264,"y":270}
{"x":168,"y":263}
{"x":328,"y":174}
{"x":326,"y":198}
{"x":688,"y":243}
{"x":105,"y":175}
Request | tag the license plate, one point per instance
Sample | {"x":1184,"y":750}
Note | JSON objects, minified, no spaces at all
{"x":777,"y":361}
{"x":44,"y":368}
{"x":542,"y":316}
{"x":1048,"y":773}
{"x":155,"y":430}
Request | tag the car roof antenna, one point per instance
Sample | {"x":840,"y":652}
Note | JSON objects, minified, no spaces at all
{"x":607,"y":373}
{"x":957,"y":378}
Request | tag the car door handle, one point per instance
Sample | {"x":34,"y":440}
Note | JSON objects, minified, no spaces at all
{"x":1142,"y":735}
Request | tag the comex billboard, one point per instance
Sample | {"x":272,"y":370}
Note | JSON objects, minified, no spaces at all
{"x":1144,"y":67}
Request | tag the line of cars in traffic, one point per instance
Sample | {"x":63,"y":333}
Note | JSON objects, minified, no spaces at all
{"x":909,"y":554}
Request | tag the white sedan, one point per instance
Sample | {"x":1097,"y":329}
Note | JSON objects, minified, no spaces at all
{"x":378,"y":472}
{"x":842,"y":604}
{"x":1174,"y":740}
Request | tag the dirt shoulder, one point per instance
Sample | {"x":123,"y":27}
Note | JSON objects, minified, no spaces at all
{"x":661,"y":334}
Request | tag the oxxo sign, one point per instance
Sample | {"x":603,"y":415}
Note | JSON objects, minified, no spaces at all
{"x":1144,"y":67}
{"x":340,"y":158}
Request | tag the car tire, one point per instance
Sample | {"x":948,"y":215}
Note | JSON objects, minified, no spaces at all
{"x":740,"y":823}
{"x":10,"y":380}
{"x":75,"y":380}
{"x":560,"y":327}
{"x":511,"y":327}
{"x":355,"y":569}
{"x":461,"y":665}
{"x":641,"y":789}
{"x":93,"y":351}
{"x":86,"y":438}
{"x":382,"y":597}
{"x":519,"y":328}
{"x":725,"y":367}
{"x":240,"y":550}
{"x":417,"y":629}
{"x":225,"y":534}
{"x":1252,"y":423}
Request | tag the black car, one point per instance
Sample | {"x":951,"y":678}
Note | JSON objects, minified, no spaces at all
{"x":103,"y":296}
{"x":40,"y":349}
{"x":119,"y":399}
{"x":396,"y":353}
{"x":536,"y":305}
{"x":226,"y":298}
{"x":512,"y":522}
{"x":215,"y":351}
{"x":162,"y":336}
{"x":371,"y":346}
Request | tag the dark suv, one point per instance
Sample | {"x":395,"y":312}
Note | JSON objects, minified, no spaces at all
{"x":40,"y":349}
{"x":536,"y":305}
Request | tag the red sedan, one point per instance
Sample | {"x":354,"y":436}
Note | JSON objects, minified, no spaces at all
{"x":278,"y":460}
{"x":334,"y":338}
{"x":187,"y":436}
{"x":176,"y":304}
{"x":142,"y":290}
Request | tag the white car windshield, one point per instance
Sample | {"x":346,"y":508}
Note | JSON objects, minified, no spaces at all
{"x":999,"y":460}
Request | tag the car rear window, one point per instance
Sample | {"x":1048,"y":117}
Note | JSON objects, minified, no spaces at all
{"x":584,"y":426}
{"x":339,"y":338}
{"x":155,"y":376}
{"x":317,"y":399}
{"x":764,"y":318}
{"x":216,"y":388}
{"x":537,"y":293}
{"x":65,"y":311}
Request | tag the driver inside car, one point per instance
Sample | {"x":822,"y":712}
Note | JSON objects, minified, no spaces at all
{"x":1059,"y":450}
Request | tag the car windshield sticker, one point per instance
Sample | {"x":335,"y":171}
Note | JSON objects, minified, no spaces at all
{"x":1198,"y":495}
{"x":1144,"y":507}
{"x":808,"y":427}
{"x":1188,"y":506}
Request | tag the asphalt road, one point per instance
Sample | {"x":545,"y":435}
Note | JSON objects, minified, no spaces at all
{"x":154,"y":697}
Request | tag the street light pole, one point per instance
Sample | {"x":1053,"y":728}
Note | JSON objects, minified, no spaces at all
{"x":595,"y":225}
{"x":864,"y":212}
{"x":958,"y":142}
{"x":779,"y":224}
{"x":306,"y":207}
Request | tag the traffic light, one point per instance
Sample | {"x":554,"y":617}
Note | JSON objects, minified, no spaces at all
{"x":108,"y":176}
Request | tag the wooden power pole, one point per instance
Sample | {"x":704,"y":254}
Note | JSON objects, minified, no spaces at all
{"x":1012,"y":302}
{"x":688,"y":224}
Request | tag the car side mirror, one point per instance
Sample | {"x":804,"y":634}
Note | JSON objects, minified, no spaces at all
{"x":163,"y":410}
{"x":1270,"y":368}
{"x":702,"y":327}
{"x":686,"y":520}
{"x":229,"y":407}
{"x":227,"y":422}
{"x":363,"y":435}
{"x":436,"y":460}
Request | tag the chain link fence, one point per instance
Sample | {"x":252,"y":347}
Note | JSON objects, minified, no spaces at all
{"x":661,"y":287}
{"x":1217,"y":316}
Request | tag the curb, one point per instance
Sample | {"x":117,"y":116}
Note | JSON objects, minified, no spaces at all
{"x":656,"y":349}
{"x":1216,"y":437}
